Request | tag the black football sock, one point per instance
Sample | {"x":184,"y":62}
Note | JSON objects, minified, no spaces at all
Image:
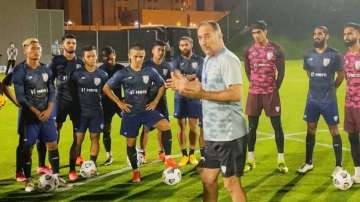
{"x":54,"y":160}
{"x":184,"y":152}
{"x":192,"y":151}
{"x":107,"y":141}
{"x":93,"y":158}
{"x":19,"y":161}
{"x":337,"y":144}
{"x":27,"y":160}
{"x":355,"y":150}
{"x":310,"y":143}
{"x":253,"y":124}
{"x":166,"y":141}
{"x":72,"y":160}
{"x":279,"y":134}
{"x":41,"y":149}
{"x":202,"y":151}
{"x":131,"y":152}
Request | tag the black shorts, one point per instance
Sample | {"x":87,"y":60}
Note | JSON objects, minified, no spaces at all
{"x":229,"y":156}
{"x":109,"y":112}
{"x":63,"y":109}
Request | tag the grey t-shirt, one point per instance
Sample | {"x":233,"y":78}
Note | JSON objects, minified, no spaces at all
{"x":223,"y":121}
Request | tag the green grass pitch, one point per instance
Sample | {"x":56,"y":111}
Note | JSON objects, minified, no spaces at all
{"x":262,"y":184}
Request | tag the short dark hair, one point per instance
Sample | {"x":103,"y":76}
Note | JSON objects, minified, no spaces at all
{"x":105,"y":52}
{"x":68,"y":36}
{"x":323,"y":28}
{"x":88,"y":48}
{"x":137,"y":47}
{"x":186,"y":38}
{"x":158,"y":43}
{"x":353,"y":25}
{"x":212,"y":23}
{"x":260,"y":24}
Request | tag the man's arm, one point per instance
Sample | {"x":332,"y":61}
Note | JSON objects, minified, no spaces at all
{"x":280,"y":66}
{"x":20,"y":93}
{"x":247,"y":64}
{"x":110,"y":94}
{"x":231,"y":94}
{"x":339,"y":78}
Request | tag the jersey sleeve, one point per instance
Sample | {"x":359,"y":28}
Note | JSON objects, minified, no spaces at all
{"x":18,"y":80}
{"x":338,"y":63}
{"x":50,"y":84}
{"x":116,"y":80}
{"x":200,"y":67}
{"x":306,"y":66}
{"x":280,"y":66}
{"x":231,"y":71}
{"x":247,"y":64}
{"x":156,"y":78}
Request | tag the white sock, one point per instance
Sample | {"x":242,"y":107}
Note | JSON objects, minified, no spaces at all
{"x":108,"y":154}
{"x":281,"y":157}
{"x":357,"y":171}
{"x":251,"y":156}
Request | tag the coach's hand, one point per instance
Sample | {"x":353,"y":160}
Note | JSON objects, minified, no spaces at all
{"x":152,"y":105}
{"x":193,"y":89}
{"x":124,"y":107}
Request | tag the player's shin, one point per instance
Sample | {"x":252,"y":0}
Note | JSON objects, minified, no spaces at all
{"x":131,"y":152}
{"x":94,"y":150}
{"x":310,"y":143}
{"x":166,"y":138}
{"x":41,"y":148}
{"x":355,"y":148}
{"x":337,"y":145}
{"x":54,"y":157}
{"x":27,"y":160}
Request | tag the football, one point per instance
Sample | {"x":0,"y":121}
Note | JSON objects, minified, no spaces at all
{"x":342,"y":180}
{"x":171,"y":176}
{"x":88,"y":169}
{"x":48,"y":183}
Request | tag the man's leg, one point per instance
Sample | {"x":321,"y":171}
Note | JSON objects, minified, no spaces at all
{"x":253,"y":125}
{"x":94,"y":149}
{"x":233,"y":186}
{"x":132,"y":156}
{"x":279,"y":139}
{"x":209,"y":179}
{"x":193,"y":125}
{"x":107,"y":142}
{"x":337,"y":144}
{"x":73,"y":154}
{"x":7,"y":67}
{"x":163,"y":125}
{"x":310,"y":143}
{"x":182,"y":141}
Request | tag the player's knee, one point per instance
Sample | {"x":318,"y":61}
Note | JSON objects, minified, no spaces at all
{"x":311,"y":129}
{"x":334,"y":130}
{"x":231,"y":183}
{"x":52,"y":145}
{"x":163,"y":125}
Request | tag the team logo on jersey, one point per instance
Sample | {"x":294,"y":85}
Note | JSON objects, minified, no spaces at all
{"x":165,"y":71}
{"x":145,"y":79}
{"x":223,"y":169}
{"x":97,"y":81}
{"x":326,"y":61}
{"x":194,"y":65}
{"x":45,"y":77}
{"x":269,"y":55}
{"x":357,"y":65}
{"x":78,"y":66}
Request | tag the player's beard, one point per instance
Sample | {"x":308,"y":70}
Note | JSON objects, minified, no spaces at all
{"x":185,"y":53}
{"x":69,"y":51}
{"x":319,"y":44}
{"x":350,"y":43}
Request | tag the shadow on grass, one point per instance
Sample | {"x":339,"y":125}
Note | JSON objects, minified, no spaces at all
{"x":280,"y":194}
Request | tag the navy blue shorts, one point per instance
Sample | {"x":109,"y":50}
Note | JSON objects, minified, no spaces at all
{"x":94,"y":124}
{"x":329,"y":111}
{"x":162,"y":108}
{"x":131,"y":124}
{"x":43,"y":131}
{"x":186,"y":107}
{"x":63,"y":109}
